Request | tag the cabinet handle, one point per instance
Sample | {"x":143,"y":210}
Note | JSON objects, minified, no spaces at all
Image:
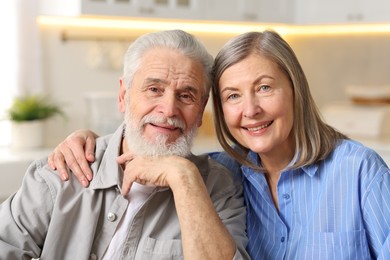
{"x":355,"y":17}
{"x":249,"y":16}
{"x":146,"y":10}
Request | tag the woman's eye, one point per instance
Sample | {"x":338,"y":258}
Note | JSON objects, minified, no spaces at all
{"x":233,"y":96}
{"x":264,"y":88}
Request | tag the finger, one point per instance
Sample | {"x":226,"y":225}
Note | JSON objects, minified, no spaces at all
{"x":90,"y":144}
{"x":59,"y":164}
{"x":68,"y":158}
{"x":123,"y":158}
{"x":50,"y":161}
{"x":76,"y":159}
{"x":128,"y":179}
{"x":126,"y":186}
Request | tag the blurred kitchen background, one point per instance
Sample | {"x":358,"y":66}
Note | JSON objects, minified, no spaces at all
{"x":72,"y":51}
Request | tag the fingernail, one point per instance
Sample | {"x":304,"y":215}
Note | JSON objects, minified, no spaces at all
{"x":63,"y":177}
{"x":84,"y":183}
{"x":89,"y":177}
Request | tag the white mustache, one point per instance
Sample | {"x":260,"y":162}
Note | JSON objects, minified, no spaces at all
{"x":153,"y":119}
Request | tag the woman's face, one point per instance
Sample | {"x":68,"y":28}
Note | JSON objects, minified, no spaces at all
{"x":257,"y":102}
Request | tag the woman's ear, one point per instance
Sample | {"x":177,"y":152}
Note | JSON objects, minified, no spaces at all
{"x":121,"y":96}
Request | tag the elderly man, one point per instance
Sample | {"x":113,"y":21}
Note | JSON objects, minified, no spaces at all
{"x":179,"y":205}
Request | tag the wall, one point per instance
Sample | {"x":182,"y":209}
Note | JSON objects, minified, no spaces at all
{"x":330,"y":62}
{"x":333,"y":62}
{"x":68,"y":77}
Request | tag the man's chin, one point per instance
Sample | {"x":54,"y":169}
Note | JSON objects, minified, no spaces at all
{"x":160,"y":147}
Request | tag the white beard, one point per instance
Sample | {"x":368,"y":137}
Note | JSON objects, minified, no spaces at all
{"x":139,"y":145}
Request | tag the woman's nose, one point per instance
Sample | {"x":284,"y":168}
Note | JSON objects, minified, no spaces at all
{"x":251,"y":107}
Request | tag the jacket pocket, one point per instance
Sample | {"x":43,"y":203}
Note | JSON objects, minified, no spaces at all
{"x":162,"y":249}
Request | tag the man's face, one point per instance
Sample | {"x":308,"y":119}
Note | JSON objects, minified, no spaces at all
{"x":164,"y":106}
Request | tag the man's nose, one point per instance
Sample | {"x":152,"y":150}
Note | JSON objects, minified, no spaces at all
{"x":169,"y":106}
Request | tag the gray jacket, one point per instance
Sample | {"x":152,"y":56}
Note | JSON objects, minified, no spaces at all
{"x":51,"y":219}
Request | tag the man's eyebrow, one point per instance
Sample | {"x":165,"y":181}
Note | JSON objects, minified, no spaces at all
{"x":189,"y":88}
{"x":155,"y":80}
{"x":192,"y":89}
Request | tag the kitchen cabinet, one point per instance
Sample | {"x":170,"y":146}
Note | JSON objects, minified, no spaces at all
{"x":375,"y":10}
{"x":347,"y":11}
{"x":183,"y":9}
{"x":277,"y":11}
{"x":226,"y":10}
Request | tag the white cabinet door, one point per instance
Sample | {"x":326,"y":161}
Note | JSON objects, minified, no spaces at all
{"x":330,"y":11}
{"x":184,"y":9}
{"x":181,"y":9}
{"x":346,"y":11}
{"x":375,"y":10}
{"x":277,"y":11}
{"x":250,"y":10}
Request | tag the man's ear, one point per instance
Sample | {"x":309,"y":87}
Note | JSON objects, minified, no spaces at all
{"x":122,"y":96}
{"x":204,"y":107}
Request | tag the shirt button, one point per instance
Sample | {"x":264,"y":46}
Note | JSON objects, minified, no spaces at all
{"x":111,"y":216}
{"x":286,"y":196}
{"x":282,"y":239}
{"x":93,"y":257}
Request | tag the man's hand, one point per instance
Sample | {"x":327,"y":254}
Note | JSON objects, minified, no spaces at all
{"x":165,"y":171}
{"x":76,"y":152}
{"x":198,"y":218}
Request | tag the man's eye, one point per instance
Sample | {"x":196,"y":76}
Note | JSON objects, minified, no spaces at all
{"x":186,"y":97}
{"x":153,"y":89}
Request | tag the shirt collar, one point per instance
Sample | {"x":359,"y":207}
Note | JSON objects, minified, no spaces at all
{"x":310,"y":170}
{"x":107,"y":172}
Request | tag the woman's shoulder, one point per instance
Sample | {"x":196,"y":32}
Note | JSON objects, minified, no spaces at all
{"x":356,"y":153}
{"x":351,"y":146}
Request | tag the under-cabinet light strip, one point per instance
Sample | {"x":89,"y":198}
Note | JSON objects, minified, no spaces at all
{"x":154,"y":24}
{"x":222,"y":27}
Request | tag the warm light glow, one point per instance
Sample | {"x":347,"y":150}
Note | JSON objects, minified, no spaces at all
{"x":219,"y":27}
{"x":156,"y":24}
{"x":338,"y":29}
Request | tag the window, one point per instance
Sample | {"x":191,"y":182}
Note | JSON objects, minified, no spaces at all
{"x":19,"y":52}
{"x":8,"y":63}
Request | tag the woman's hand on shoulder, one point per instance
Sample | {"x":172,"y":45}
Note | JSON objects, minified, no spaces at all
{"x":75,"y":152}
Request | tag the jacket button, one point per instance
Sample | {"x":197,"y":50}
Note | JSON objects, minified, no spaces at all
{"x":93,"y":257}
{"x":111,"y":216}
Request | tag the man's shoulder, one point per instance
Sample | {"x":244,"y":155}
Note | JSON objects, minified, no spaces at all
{"x":213,"y":167}
{"x":106,"y":144}
{"x":102,"y":143}
{"x":44,"y":182}
{"x":227,"y":161}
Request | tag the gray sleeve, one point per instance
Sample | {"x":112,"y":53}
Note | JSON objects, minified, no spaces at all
{"x":25,"y":217}
{"x":228,"y":200}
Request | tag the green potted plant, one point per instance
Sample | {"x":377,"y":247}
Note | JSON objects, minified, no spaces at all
{"x":27,"y":115}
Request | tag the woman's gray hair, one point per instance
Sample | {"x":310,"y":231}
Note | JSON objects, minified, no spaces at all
{"x":178,"y":40}
{"x":314,"y":139}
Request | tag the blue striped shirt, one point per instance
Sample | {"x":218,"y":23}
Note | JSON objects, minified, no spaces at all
{"x":337,"y":209}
